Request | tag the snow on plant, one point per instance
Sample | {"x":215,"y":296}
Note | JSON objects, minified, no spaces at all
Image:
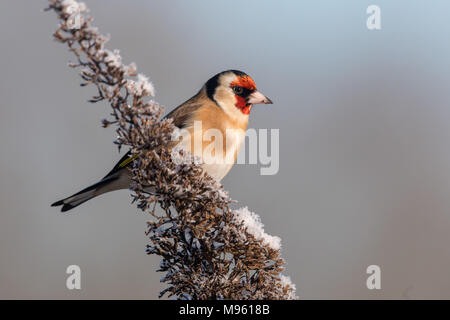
{"x":253,"y":225}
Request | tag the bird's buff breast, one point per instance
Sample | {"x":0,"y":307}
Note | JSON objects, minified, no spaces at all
{"x":217,"y":148}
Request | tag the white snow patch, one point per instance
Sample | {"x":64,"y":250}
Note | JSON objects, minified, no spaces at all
{"x":286,"y":281}
{"x":145,"y":86}
{"x":71,"y":7}
{"x":255,"y":227}
{"x":113,"y":58}
{"x":141,"y":87}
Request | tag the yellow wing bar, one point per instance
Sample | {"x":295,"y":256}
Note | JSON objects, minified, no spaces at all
{"x":127,"y":161}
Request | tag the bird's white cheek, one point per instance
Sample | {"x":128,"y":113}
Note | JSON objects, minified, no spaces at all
{"x":224,"y":97}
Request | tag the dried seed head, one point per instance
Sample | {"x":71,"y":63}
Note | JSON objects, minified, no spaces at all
{"x":208,"y":250}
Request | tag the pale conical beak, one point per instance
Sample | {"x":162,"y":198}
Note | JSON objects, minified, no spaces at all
{"x":258,"y":98}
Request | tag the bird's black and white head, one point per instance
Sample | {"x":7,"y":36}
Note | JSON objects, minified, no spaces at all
{"x":235,"y":92}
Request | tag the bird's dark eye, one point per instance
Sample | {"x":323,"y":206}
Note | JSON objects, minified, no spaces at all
{"x":238,"y":90}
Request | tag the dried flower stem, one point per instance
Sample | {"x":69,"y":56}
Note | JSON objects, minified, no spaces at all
{"x":208,"y":250}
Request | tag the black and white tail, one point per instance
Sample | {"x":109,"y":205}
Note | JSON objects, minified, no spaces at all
{"x":118,"y":178}
{"x":109,"y":183}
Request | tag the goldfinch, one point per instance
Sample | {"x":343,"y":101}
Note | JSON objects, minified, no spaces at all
{"x":222,"y":106}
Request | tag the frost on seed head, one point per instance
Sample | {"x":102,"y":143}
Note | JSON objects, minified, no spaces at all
{"x":252,"y":222}
{"x":141,"y":87}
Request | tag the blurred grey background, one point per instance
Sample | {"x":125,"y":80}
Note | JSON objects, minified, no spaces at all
{"x":364,"y":119}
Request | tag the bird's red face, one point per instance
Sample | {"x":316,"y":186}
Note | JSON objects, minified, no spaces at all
{"x":235,"y":92}
{"x":246,"y":95}
{"x":243,"y":86}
